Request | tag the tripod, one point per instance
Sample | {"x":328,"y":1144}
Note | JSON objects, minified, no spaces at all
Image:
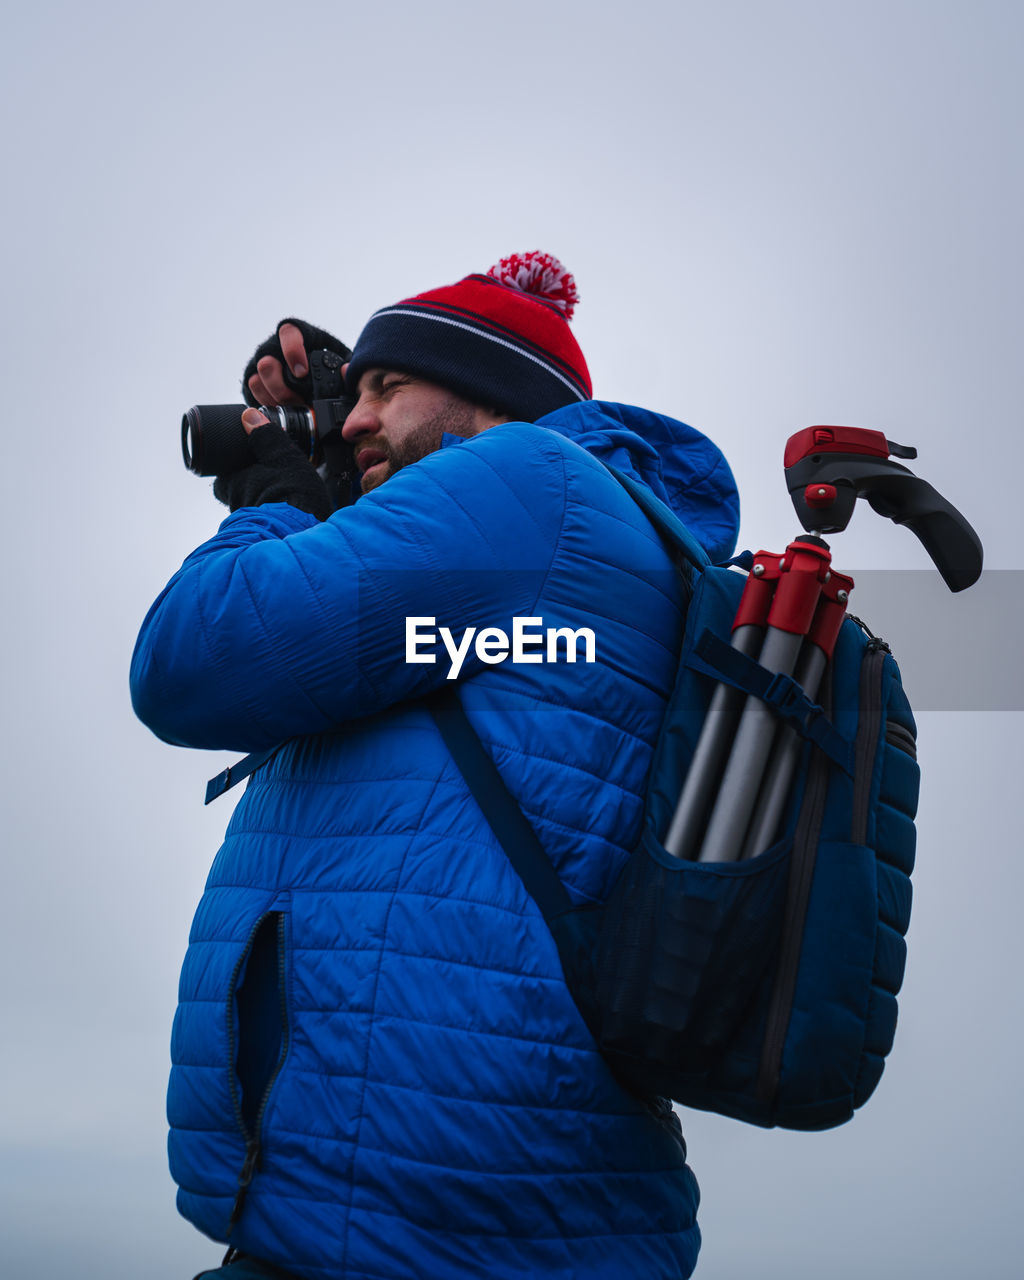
{"x":788,"y":620}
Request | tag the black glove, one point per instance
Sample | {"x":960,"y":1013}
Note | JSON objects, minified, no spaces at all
{"x":315,"y":340}
{"x":281,"y":473}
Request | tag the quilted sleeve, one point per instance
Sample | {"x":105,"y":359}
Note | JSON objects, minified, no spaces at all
{"x":280,"y":626}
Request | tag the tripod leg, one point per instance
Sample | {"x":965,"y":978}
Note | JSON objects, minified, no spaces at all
{"x":821,"y":642}
{"x":740,"y":784}
{"x":710,"y":755}
{"x":775,"y":786}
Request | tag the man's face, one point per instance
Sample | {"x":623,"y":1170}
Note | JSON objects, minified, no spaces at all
{"x":399,"y":418}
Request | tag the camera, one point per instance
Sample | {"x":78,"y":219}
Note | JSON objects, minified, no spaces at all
{"x":214,"y":442}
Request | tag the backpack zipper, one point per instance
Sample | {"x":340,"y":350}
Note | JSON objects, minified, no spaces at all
{"x":798,"y":892}
{"x":869,"y":724}
{"x":253,"y":1150}
{"x":804,"y":858}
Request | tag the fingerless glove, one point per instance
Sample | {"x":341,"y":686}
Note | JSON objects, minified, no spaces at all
{"x":281,"y":473}
{"x":315,"y":340}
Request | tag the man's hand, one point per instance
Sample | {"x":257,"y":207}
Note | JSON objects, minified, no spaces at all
{"x":267,"y":384}
{"x":280,"y":472}
{"x":278,"y":372}
{"x":252,"y":420}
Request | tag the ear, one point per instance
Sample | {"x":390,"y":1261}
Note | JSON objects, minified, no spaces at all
{"x":485,"y":417}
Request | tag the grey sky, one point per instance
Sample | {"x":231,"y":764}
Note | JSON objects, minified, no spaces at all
{"x":778,"y":214}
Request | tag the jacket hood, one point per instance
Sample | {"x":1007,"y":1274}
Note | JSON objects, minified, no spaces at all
{"x":680,"y":464}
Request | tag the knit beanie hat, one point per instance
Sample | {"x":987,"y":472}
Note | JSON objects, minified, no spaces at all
{"x":500,"y":339}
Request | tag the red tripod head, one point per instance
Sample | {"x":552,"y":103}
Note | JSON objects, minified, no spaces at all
{"x":829,"y":468}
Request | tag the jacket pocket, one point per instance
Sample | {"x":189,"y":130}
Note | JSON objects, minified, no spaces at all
{"x":258,"y":1036}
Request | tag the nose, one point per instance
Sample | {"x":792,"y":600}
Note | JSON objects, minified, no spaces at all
{"x":361,"y":421}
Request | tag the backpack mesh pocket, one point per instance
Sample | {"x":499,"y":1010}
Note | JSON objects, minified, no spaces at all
{"x":681,"y":951}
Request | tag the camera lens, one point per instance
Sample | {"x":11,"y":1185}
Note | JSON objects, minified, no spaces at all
{"x":213,"y":440}
{"x":300,"y":426}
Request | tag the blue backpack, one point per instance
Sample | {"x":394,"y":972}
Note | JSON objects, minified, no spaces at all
{"x":764,"y":989}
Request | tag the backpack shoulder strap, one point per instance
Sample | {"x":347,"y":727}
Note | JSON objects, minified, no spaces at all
{"x":504,"y":816}
{"x":663,"y":518}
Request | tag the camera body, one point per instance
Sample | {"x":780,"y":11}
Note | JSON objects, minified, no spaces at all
{"x":215,"y":443}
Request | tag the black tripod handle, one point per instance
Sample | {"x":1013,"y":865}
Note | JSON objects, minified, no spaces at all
{"x":825,"y":486}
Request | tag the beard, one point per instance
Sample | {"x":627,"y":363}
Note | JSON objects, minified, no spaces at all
{"x":457,"y":418}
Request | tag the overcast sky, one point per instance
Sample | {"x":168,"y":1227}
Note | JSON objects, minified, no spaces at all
{"x":778,"y":214}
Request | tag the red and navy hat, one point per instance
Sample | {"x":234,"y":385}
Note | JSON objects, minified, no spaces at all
{"x":500,"y":339}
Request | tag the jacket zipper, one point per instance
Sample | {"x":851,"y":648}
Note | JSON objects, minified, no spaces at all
{"x":253,"y":1151}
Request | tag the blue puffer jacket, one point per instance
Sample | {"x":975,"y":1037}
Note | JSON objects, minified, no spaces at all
{"x":374,"y":1036}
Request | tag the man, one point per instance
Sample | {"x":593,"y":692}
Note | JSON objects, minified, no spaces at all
{"x":378,"y":1068}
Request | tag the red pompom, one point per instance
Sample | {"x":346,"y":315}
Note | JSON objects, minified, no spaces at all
{"x":539,"y":274}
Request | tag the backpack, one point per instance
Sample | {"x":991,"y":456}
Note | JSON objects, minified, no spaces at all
{"x":764,"y":989}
